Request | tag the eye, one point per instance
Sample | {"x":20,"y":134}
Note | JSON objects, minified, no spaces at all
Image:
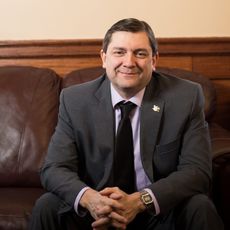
{"x":141,"y":54}
{"x":118,"y":53}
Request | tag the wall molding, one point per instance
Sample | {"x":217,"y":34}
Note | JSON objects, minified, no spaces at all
{"x":91,"y":47}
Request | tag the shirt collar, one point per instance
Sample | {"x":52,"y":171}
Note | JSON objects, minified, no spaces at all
{"x":116,"y":97}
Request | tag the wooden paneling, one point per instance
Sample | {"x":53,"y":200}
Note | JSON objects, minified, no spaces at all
{"x":194,"y":46}
{"x":184,"y":62}
{"x":208,"y":56}
{"x":50,"y":48}
{"x":214,"y":67}
{"x":62,"y":56}
{"x":61,"y":65}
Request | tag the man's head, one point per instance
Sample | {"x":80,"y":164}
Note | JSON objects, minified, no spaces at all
{"x":129,"y":56}
{"x":132,"y":25}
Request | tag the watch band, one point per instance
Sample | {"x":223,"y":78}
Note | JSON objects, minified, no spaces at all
{"x":147,"y":200}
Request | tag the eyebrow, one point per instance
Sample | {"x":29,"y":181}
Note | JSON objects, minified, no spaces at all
{"x":141,"y":49}
{"x":118,"y":48}
{"x":136,"y":50}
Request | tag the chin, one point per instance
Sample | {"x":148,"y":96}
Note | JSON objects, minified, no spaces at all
{"x":128,"y":82}
{"x":128,"y":86}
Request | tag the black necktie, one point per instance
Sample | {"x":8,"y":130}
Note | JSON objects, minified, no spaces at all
{"x":124,"y":173}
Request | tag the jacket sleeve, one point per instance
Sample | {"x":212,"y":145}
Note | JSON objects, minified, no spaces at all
{"x":59,"y":173}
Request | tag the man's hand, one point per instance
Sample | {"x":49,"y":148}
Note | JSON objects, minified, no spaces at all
{"x":130,"y":203}
{"x":102,"y":208}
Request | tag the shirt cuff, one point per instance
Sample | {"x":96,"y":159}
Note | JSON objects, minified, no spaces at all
{"x":156,"y":205}
{"x":80,"y":211}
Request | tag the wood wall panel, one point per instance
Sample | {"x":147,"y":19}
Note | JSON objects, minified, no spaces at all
{"x":50,"y":48}
{"x":61,"y":65}
{"x":208,"y":56}
{"x":184,"y":62}
{"x":215,"y":67}
{"x":194,"y":46}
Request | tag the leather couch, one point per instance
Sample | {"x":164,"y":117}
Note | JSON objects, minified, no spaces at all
{"x":29,"y":100}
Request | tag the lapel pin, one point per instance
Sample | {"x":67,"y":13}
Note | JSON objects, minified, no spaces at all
{"x":156,"y":108}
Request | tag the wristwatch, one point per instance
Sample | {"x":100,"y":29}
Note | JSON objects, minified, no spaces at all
{"x":147,"y":200}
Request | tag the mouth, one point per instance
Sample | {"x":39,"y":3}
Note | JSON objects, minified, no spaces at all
{"x":128,"y":72}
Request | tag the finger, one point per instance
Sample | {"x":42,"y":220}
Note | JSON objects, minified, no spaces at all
{"x":115,"y":204}
{"x":109,"y":190}
{"x":105,"y":222}
{"x":115,"y":196}
{"x":118,"y":225}
{"x":104,"y":211}
{"x":101,"y":222}
{"x":114,"y":216}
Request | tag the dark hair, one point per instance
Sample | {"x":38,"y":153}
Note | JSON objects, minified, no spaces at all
{"x":131,"y":25}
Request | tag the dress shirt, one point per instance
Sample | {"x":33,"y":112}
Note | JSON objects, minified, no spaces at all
{"x":142,"y":181}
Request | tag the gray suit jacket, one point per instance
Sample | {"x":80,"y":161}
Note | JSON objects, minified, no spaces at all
{"x":175,"y":147}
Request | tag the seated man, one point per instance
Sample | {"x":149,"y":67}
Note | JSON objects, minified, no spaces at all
{"x":131,"y":149}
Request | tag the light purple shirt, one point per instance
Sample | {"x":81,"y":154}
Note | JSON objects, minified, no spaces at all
{"x":142,"y":180}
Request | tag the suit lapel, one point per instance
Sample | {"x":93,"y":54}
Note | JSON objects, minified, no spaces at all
{"x":104,"y":123}
{"x":151,"y":114}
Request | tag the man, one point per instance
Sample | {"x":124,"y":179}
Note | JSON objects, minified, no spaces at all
{"x":168,"y":185}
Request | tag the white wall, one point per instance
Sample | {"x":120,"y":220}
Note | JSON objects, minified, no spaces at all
{"x":73,"y":19}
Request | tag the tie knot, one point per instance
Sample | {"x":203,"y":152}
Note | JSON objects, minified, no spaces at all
{"x":126,"y":108}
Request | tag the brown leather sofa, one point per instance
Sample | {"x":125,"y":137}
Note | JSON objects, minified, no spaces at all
{"x":29,"y":100}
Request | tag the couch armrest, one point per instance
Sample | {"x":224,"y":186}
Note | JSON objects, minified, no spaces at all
{"x":220,"y":139}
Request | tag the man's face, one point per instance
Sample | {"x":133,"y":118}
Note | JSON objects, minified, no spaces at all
{"x":129,"y":62}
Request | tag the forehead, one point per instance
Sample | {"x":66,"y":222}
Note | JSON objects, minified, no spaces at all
{"x":123,"y":39}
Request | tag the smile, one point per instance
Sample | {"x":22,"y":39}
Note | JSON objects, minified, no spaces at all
{"x":128,"y":73}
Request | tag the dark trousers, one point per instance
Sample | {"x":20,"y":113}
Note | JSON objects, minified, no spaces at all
{"x":197,"y":213}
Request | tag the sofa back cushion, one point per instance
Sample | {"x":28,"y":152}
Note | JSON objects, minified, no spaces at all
{"x":82,"y":75}
{"x":29,"y":99}
{"x":206,"y":84}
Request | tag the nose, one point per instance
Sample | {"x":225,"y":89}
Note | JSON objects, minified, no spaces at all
{"x":129,"y":60}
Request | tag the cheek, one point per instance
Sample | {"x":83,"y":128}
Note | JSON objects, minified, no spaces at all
{"x":115,"y":61}
{"x":152,"y":66}
{"x":148,"y":67}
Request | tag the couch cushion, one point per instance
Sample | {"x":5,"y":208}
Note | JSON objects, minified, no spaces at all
{"x":16,"y":206}
{"x":82,"y":75}
{"x":28,"y":114}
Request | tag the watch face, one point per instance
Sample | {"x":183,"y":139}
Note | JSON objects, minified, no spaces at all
{"x":147,"y":199}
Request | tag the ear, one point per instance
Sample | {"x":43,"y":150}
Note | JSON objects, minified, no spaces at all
{"x":154,"y":61}
{"x":103,"y":58}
